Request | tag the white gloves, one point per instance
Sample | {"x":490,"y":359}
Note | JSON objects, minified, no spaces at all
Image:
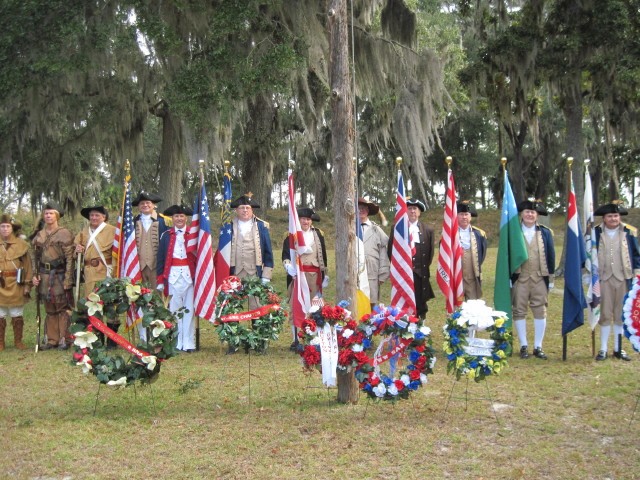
{"x":551,"y":285}
{"x":325,"y":281}
{"x":291,"y":269}
{"x":265,"y":280}
{"x":160,"y":287}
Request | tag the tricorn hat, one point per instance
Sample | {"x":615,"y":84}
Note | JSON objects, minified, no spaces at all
{"x":98,"y":208}
{"x":613,"y":207}
{"x":414,"y":202}
{"x":175,"y":209}
{"x":6,"y":218}
{"x":245,"y":199}
{"x":465,"y":207}
{"x":535,"y":205}
{"x":373,"y":208}
{"x":308,"y":213}
{"x":51,"y":205}
{"x":152,"y":197}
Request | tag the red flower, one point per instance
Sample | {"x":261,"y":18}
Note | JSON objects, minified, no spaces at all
{"x":84,"y":351}
{"x":361,"y":358}
{"x":413,"y":319}
{"x":345,"y":357}
{"x":420,"y":348}
{"x":421,"y":362}
{"x":311,"y":355}
{"x":78,"y":356}
{"x":351,"y":325}
{"x":144,"y":291}
{"x":374,"y":381}
{"x":414,"y":374}
{"x":308,"y":323}
{"x":90,"y":328}
{"x":168,"y":324}
{"x":399,"y":384}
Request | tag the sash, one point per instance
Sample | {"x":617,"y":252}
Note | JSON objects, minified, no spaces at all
{"x":328,"y":354}
{"x":92,"y":240}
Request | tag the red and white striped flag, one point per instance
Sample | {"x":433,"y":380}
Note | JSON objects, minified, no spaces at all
{"x":449,"y":275}
{"x":199,"y":244}
{"x":300,"y":301}
{"x":125,"y":251}
{"x":402,"y":288}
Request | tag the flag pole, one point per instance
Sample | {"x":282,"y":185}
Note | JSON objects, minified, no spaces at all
{"x":201,"y":168}
{"x":593,"y":330}
{"x":564,"y":337}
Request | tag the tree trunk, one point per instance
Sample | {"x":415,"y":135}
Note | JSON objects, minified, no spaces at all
{"x":171,"y":159}
{"x":342,"y":140}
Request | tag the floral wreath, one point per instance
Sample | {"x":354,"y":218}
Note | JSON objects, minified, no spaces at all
{"x":113,"y":297}
{"x":476,"y":358}
{"x":631,"y":315}
{"x":406,"y":335}
{"x":229,"y":315}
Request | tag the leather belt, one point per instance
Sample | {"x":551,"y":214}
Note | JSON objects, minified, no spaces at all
{"x":10,"y":273}
{"x":94,"y":262}
{"x":46,"y":267}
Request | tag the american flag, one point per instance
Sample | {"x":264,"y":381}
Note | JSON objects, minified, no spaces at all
{"x":125,"y":251}
{"x":591,"y":263}
{"x":300,"y":301}
{"x":402,"y":289}
{"x":222,"y":258}
{"x":450,"y":257}
{"x":199,"y":244}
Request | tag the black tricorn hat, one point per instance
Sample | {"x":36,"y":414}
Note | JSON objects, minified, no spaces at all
{"x":535,"y":205}
{"x":308,"y":213}
{"x":414,"y":202}
{"x":373,"y":208}
{"x":98,"y":208}
{"x":51,"y":205}
{"x":175,"y":209}
{"x":245,"y":199}
{"x":465,"y":207}
{"x":152,"y":197}
{"x":614,"y":207}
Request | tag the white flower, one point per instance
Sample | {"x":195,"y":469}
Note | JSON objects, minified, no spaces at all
{"x":314,"y":309}
{"x":393,"y":390}
{"x":423,"y":378}
{"x":150,"y":360}
{"x":368,"y":330}
{"x":86,"y":364}
{"x":133,"y":292}
{"x":84,"y":339}
{"x":432,"y":362}
{"x":158,"y":328}
{"x":357,"y":347}
{"x":412,"y":328}
{"x":425,"y":330}
{"x":405,"y":379}
{"x":121,"y":382}
{"x":347,"y":332}
{"x":93,"y":303}
{"x":380,"y":390}
{"x":476,"y":314}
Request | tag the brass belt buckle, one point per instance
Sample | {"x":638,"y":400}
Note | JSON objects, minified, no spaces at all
{"x":47,"y":267}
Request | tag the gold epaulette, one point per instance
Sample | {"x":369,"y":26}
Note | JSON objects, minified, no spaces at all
{"x":631,"y":228}
{"x":319,"y":231}
{"x":168,"y":221}
{"x":547,"y":228}
{"x":266,"y":224}
{"x":482,"y":232}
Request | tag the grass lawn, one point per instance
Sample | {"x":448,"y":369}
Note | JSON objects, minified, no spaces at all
{"x":216,"y":416}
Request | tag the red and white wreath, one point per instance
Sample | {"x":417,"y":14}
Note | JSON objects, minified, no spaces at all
{"x":631,"y":315}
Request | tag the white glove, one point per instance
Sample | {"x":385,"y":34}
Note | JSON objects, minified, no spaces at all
{"x":291,"y":269}
{"x":265,"y":280}
{"x":325,"y":281}
{"x":551,"y":285}
{"x":160,"y":287}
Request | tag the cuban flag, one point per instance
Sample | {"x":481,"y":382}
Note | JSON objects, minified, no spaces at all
{"x":574,"y":302}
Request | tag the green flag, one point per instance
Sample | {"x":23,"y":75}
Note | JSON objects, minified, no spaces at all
{"x":512,"y":251}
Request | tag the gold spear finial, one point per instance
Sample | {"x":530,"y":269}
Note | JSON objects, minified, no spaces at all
{"x":292,"y":164}
{"x":398,"y":162}
{"x":449,"y":161}
{"x":127,"y":171}
{"x":503,"y":161}
{"x":570,"y":162}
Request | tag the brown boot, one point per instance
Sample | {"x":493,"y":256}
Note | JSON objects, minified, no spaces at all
{"x":18,"y":324}
{"x":3,"y":326}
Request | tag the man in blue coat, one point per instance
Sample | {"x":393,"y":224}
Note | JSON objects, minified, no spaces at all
{"x":619,"y":262}
{"x":533,"y":280}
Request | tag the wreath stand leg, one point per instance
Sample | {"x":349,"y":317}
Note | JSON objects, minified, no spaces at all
{"x":633,"y":414}
{"x":466,"y":398}
{"x":95,"y":405}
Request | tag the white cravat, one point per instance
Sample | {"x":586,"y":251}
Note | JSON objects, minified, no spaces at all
{"x":308,"y":238}
{"x":529,"y":232}
{"x":146,"y":221}
{"x":611,"y":232}
{"x":465,"y":237}
{"x":179,"y":250}
{"x":244,"y":226}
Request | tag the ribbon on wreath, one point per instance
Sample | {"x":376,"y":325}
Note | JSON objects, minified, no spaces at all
{"x":103,"y":328}
{"x":328,"y":354}
{"x":250,"y":315}
{"x":399,"y":345}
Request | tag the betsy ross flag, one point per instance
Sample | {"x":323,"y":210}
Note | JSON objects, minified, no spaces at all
{"x":450,"y":257}
{"x":125,"y":251}
{"x":300,"y":301}
{"x":363,"y":293}
{"x":402,"y":289}
{"x":573,"y":303}
{"x":591,"y":263}
{"x":222,"y":258}
{"x":512,"y":251}
{"x":199,"y":244}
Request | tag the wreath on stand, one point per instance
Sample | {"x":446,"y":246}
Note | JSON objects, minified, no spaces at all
{"x":230,"y":318}
{"x":111,"y":298}
{"x":403,"y":336}
{"x":476,"y":358}
{"x":631,"y":315}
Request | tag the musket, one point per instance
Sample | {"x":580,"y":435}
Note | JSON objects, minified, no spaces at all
{"x":76,"y":293}
{"x":38,"y":317}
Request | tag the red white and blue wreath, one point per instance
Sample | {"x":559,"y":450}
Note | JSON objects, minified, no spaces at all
{"x":231,"y":320}
{"x":631,"y":315}
{"x":476,"y":358}
{"x":111,"y":298}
